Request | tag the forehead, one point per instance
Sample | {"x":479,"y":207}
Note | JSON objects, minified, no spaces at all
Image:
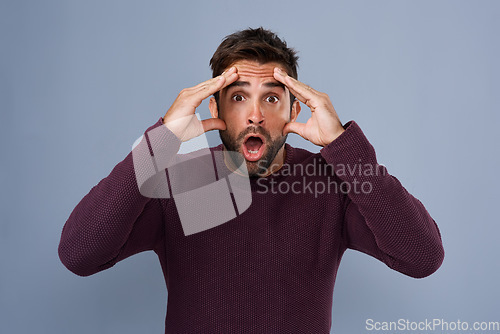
{"x":252,"y":69}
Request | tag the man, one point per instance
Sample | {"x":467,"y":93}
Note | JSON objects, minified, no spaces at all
{"x":272,"y":268}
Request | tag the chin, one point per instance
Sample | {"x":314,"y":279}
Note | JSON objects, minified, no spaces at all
{"x":256,"y":168}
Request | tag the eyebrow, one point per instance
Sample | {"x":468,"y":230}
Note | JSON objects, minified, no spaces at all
{"x":270,"y":84}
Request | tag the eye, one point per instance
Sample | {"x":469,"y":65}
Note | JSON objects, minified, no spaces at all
{"x":272,"y":99}
{"x":238,"y":98}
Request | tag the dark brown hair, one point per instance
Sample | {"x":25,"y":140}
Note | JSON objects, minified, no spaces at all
{"x":259,"y":45}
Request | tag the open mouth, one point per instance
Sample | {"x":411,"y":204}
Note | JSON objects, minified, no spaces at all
{"x":253,"y":147}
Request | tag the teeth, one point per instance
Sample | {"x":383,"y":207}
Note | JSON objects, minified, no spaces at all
{"x":253,"y":152}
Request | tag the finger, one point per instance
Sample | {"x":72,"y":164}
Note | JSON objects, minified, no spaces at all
{"x":213,"y":80}
{"x":209,"y":87}
{"x":188,"y":127}
{"x":213,"y":124}
{"x":301,"y":91}
{"x":299,"y":86}
{"x":283,"y":78}
{"x":232,"y":77}
{"x":295,"y":127}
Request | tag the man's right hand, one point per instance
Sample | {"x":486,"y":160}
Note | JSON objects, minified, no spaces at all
{"x":180,"y":117}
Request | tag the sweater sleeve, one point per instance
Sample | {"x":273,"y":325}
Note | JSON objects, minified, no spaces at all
{"x":381,"y":218}
{"x":114,"y":220}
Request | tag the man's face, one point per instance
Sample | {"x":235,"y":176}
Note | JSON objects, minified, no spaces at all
{"x":255,"y":109}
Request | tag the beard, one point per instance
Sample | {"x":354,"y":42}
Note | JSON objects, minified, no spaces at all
{"x":255,"y":168}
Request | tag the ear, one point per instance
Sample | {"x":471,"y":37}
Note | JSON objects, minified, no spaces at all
{"x":295,"y":110}
{"x":212,"y":105}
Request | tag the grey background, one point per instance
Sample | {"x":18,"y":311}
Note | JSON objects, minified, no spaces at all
{"x":81,"y":80}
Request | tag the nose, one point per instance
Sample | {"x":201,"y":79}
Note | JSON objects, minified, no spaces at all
{"x":255,"y":115}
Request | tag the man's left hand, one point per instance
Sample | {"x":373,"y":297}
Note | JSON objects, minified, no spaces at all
{"x":324,"y":125}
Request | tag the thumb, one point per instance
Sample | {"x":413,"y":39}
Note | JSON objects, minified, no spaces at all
{"x":213,"y":124}
{"x":295,"y":127}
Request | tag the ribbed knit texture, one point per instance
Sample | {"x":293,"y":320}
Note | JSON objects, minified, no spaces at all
{"x":272,"y":269}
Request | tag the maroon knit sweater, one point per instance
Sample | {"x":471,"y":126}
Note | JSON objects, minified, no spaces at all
{"x":272,"y":269}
